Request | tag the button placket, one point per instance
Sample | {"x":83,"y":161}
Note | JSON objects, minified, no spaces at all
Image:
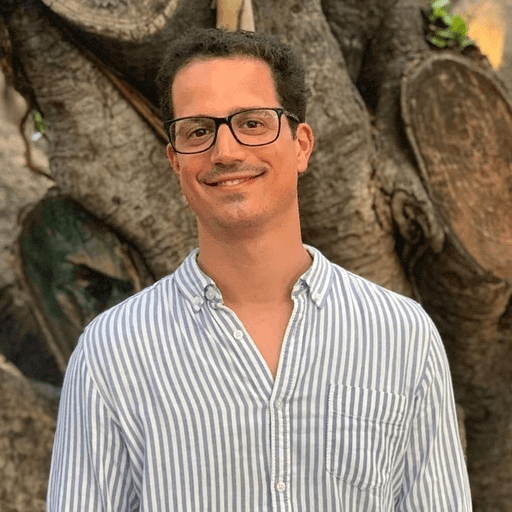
{"x":280,"y":405}
{"x":280,"y":456}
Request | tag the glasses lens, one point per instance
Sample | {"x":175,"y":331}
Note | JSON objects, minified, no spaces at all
{"x":256,"y":127}
{"x":192,"y":135}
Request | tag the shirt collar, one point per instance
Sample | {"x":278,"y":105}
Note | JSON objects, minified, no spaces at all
{"x":318,"y":277}
{"x":198,"y":287}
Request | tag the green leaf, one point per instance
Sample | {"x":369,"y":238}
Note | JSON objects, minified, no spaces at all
{"x":456,"y":28}
{"x":459,"y":25}
{"x":439,"y":4}
{"x":438,"y":41}
{"x":446,"y":33}
{"x":438,"y":13}
{"x":447,"y":19}
{"x":465,"y":42}
{"x":39,"y":123}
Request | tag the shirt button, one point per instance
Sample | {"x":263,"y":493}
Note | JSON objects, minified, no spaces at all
{"x":210,"y":294}
{"x":238,"y":334}
{"x":197,"y":301}
{"x":281,"y":487}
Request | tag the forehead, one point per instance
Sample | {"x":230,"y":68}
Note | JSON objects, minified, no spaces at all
{"x":220,"y":86}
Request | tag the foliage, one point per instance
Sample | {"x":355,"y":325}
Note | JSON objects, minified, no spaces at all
{"x":39,"y":124}
{"x":446,"y":30}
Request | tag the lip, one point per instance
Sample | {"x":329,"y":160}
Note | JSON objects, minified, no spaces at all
{"x":232,"y":180}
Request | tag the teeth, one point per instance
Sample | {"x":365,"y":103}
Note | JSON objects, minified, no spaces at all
{"x":230,"y":183}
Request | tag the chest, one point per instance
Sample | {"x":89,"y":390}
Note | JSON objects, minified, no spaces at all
{"x":267,"y":328}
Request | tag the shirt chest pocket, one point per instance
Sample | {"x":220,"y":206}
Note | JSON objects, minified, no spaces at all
{"x":364,"y":429}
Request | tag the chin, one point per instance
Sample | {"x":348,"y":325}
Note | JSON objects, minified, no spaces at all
{"x":240,"y":225}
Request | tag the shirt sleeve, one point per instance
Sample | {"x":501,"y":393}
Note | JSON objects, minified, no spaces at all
{"x":435,"y":476}
{"x":90,"y":469}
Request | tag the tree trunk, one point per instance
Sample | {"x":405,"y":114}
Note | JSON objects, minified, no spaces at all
{"x":409,"y":185}
{"x":466,"y":166}
{"x":27,"y":418}
{"x":102,"y":153}
{"x":92,"y":269}
{"x":343,"y":211}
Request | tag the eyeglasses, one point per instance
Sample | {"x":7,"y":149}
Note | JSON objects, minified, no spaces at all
{"x":253,"y":127}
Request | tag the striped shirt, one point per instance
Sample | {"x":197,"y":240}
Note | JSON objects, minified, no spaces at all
{"x":168,"y":405}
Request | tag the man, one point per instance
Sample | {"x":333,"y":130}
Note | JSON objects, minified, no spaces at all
{"x":258,"y":376}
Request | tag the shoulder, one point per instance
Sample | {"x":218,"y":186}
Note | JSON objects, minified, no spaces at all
{"x":355,"y":295}
{"x":114,"y":346}
{"x":362,"y":292}
{"x":389,"y":324}
{"x":384,"y":316}
{"x":138,"y":306}
{"x":128,"y":324}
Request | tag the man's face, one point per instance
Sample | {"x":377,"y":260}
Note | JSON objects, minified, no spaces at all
{"x":233,"y":186}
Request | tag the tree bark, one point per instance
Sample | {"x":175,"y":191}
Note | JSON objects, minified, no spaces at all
{"x":27,"y":419}
{"x":343,"y":212}
{"x":92,"y":269}
{"x":465,"y":162}
{"x":102,"y":154}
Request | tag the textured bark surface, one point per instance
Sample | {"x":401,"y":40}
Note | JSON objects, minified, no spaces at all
{"x":92,"y":269}
{"x":474,"y":316}
{"x":27,"y":419}
{"x":381,"y":195}
{"x":21,"y":340}
{"x":459,"y":122}
{"x":135,"y":55}
{"x":19,"y":186}
{"x":465,"y":159}
{"x":339,"y":197}
{"x":117,"y":19}
{"x":102,"y":154}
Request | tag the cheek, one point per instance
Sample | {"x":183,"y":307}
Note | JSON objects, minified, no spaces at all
{"x":288,"y":166}
{"x":187,"y":187}
{"x":190,"y":186}
{"x":188,"y":171}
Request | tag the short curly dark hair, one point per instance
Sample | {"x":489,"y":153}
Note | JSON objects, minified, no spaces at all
{"x":199,"y":43}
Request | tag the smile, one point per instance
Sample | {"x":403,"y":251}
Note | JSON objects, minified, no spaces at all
{"x":234,"y":182}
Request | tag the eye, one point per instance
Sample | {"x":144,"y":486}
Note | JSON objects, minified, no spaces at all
{"x":254,"y":122}
{"x":198,"y":133}
{"x":194,"y":131}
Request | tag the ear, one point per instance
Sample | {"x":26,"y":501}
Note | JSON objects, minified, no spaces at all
{"x":305,"y":141}
{"x":172,"y":158}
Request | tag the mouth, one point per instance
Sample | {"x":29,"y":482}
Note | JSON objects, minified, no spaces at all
{"x":233,"y":182}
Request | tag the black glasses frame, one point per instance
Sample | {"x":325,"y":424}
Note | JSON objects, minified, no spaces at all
{"x":227,"y":120}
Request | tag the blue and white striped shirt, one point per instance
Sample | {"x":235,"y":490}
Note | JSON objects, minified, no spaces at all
{"x":168,"y":405}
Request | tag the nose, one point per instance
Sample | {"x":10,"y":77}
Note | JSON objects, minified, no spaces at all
{"x":226,"y":148}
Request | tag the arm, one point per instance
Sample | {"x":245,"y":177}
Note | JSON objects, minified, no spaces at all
{"x":435,"y":477}
{"x":90,"y":467}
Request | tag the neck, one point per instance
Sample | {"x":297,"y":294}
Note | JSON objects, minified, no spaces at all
{"x":259,"y":269}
